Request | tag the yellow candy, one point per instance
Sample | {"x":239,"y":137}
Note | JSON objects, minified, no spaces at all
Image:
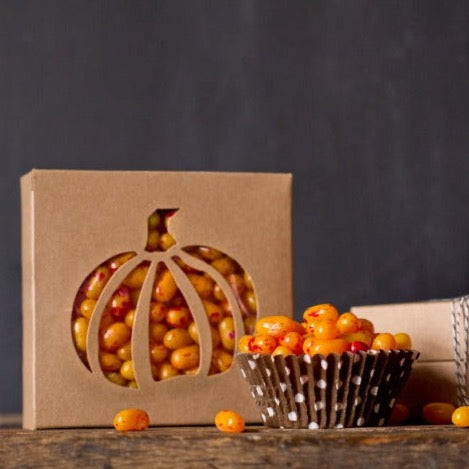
{"x":384,"y":341}
{"x":165,"y":288}
{"x":158,"y":353}
{"x":177,"y":338}
{"x":136,"y":278}
{"x":460,"y":416}
{"x":87,"y":307}
{"x":109,"y":361}
{"x":166,"y":241}
{"x":80,"y":329}
{"x":115,"y":336}
{"x":227,"y":333}
{"x":131,"y":420}
{"x":185,"y":358}
{"x":203,"y":285}
{"x":97,"y":282}
{"x":229,"y":421}
{"x":403,"y":341}
{"x":127,"y":370}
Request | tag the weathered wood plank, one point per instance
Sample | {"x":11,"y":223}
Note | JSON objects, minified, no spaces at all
{"x":193,"y":447}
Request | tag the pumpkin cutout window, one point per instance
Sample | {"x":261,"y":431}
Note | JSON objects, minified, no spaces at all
{"x":137,"y":294}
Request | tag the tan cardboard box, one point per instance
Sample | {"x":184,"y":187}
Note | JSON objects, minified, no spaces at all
{"x":75,"y":363}
{"x":429,"y":323}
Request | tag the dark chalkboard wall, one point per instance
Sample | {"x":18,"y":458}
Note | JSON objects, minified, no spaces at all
{"x":366,"y":102}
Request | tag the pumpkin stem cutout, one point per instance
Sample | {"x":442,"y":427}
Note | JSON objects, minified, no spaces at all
{"x":150,"y":315}
{"x":159,"y":239}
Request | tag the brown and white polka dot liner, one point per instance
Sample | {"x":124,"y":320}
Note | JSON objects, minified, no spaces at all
{"x":333,"y":391}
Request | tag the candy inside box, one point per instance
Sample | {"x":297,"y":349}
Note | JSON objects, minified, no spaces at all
{"x":137,"y":286}
{"x":333,"y":391}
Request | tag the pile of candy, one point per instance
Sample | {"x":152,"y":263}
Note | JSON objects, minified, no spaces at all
{"x":323,"y":331}
{"x":174,"y":347}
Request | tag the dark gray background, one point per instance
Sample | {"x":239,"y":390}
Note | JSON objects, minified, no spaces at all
{"x":365,"y":102}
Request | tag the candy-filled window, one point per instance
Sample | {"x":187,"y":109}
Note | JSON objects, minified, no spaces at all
{"x":162,"y":296}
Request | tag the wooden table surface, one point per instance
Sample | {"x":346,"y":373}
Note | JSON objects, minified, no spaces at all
{"x":411,"y":447}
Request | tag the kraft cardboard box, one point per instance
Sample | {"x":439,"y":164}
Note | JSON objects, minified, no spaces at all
{"x":430,"y":325}
{"x":137,"y":285}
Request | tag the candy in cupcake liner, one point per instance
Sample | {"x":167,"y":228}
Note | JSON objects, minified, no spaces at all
{"x":333,"y":391}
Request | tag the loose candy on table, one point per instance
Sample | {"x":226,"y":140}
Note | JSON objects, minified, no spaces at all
{"x":438,"y":413}
{"x":399,"y":414}
{"x":229,"y":421}
{"x":460,"y":416}
{"x":131,"y":420}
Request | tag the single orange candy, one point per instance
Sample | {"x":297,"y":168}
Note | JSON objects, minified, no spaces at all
{"x":366,"y":325}
{"x":263,"y":343}
{"x":229,"y":421}
{"x":310,"y":326}
{"x":276,"y":326}
{"x":348,"y":323}
{"x":282,"y":350}
{"x":438,"y":413}
{"x":323,"y":311}
{"x":324,"y":347}
{"x":131,"y":420}
{"x":293,"y":341}
{"x":384,"y":341}
{"x":326,"y":330}
{"x":399,"y":414}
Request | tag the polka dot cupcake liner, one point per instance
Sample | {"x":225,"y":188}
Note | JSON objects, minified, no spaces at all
{"x":333,"y":391}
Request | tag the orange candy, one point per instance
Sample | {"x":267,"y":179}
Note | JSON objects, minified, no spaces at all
{"x":366,"y":325}
{"x":403,"y":341}
{"x":229,"y":421}
{"x":307,"y":344}
{"x":263,"y":343}
{"x":96,"y":282}
{"x":131,"y":420}
{"x":293,"y":341}
{"x":322,"y":332}
{"x":322,"y":311}
{"x":282,"y":350}
{"x":399,"y":415}
{"x":460,"y":416}
{"x":115,"y":336}
{"x":438,"y":413}
{"x":348,"y":323}
{"x":324,"y":347}
{"x":277,"y":326}
{"x":326,"y":330}
{"x":384,"y":341}
{"x":243,"y":343}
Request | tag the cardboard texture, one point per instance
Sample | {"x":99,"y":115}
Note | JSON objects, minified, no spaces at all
{"x":429,"y":324}
{"x":72,"y":221}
